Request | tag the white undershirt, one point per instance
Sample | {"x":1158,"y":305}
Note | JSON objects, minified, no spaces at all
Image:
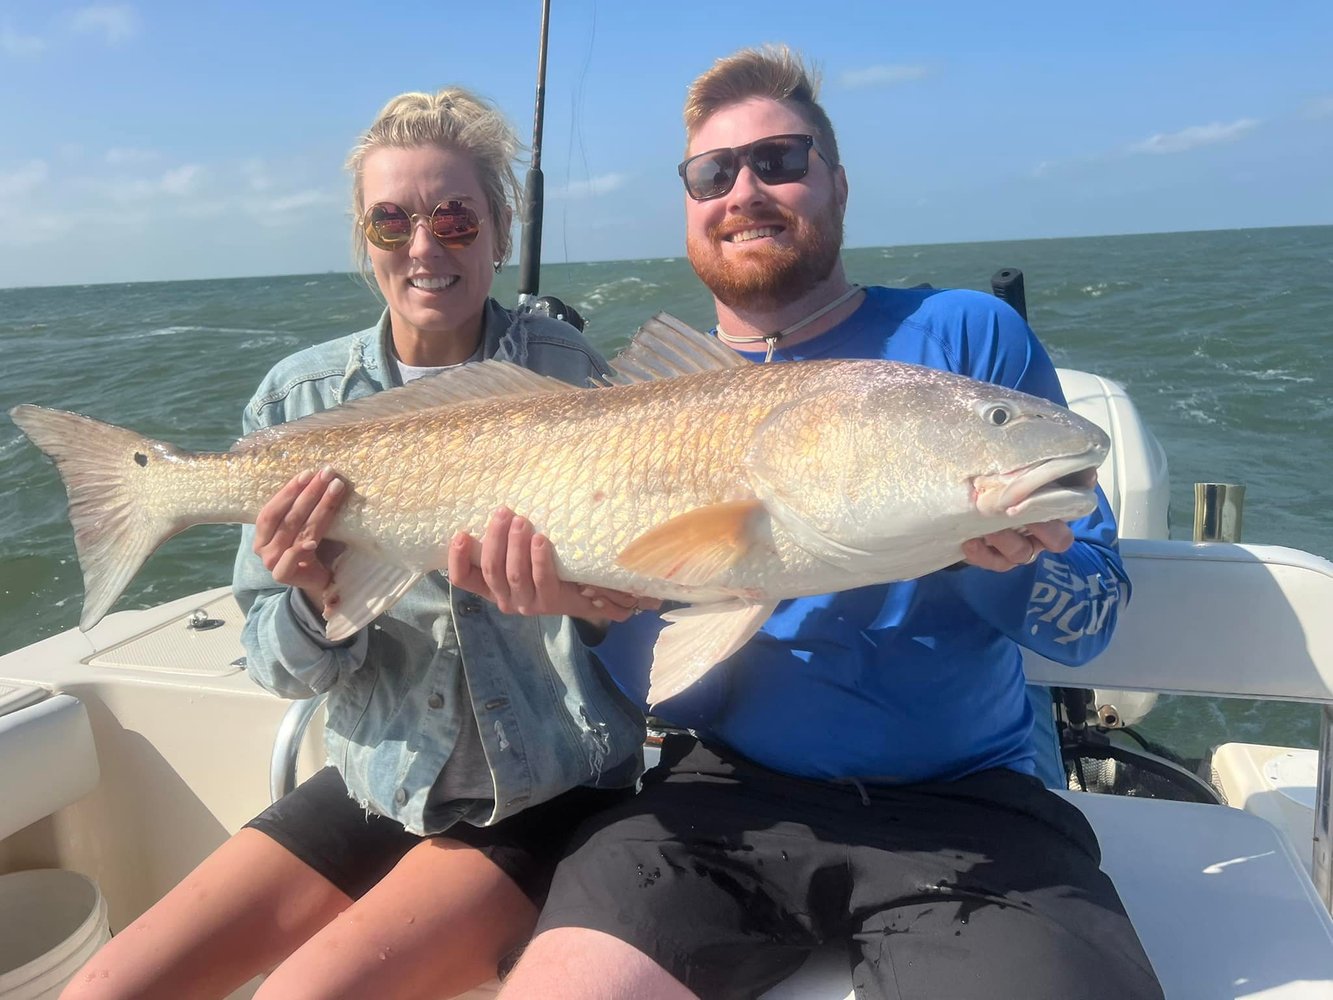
{"x":410,"y":373}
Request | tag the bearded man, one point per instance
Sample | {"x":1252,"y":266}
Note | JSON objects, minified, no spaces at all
{"x":863,"y":771}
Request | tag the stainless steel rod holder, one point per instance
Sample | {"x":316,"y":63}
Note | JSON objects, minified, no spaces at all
{"x":1218,"y":508}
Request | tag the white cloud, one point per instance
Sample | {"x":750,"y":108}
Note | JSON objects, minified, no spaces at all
{"x":1319,"y":107}
{"x":116,"y":23}
{"x":277,"y":211}
{"x":181,"y":180}
{"x":124,"y":157}
{"x":204,"y":208}
{"x":881,"y":76}
{"x":12,"y":43}
{"x":296,"y":202}
{"x":593,"y":186}
{"x":175,"y":183}
{"x":256,"y":174}
{"x":1194,"y":137}
{"x":43,"y":227}
{"x":24,"y":181}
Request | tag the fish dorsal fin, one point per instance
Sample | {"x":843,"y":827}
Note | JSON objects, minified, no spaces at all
{"x":365,"y":586}
{"x":479,"y":380}
{"x":694,"y":548}
{"x":665,"y":347}
{"x":699,"y":637}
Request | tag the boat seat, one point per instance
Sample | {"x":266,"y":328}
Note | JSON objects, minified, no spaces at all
{"x":47,"y":755}
{"x":1221,"y":903}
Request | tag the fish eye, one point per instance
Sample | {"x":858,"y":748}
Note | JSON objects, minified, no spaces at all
{"x":998,"y":415}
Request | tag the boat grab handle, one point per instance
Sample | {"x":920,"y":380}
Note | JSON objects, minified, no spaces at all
{"x":287,"y":745}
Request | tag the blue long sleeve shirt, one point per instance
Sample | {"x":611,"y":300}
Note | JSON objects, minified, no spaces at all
{"x":918,"y":680}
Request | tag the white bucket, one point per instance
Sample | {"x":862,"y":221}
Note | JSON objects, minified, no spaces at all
{"x":53,"y":920}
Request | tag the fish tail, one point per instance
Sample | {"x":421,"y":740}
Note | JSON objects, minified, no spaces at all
{"x":102,"y":467}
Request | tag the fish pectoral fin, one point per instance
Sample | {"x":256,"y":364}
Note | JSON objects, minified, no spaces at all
{"x":697,"y":638}
{"x":365,"y":587}
{"x":694,"y":548}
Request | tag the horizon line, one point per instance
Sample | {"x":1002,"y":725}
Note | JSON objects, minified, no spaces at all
{"x":618,"y":260}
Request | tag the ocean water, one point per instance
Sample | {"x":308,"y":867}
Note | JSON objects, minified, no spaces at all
{"x":1223,"y":339}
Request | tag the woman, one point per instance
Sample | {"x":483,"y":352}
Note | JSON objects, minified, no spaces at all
{"x":467,"y":743}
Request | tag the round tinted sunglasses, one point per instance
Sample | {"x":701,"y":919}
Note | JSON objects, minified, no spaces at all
{"x":390,"y":226}
{"x":774,"y":159}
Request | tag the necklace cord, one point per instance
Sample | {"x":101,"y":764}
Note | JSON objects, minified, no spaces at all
{"x":772,"y":338}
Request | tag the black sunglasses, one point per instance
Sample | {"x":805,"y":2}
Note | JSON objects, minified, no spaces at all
{"x":390,"y":226}
{"x":774,"y":159}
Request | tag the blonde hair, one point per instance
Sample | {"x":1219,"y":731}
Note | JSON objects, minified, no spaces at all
{"x":453,"y":118}
{"x":771,"y":71}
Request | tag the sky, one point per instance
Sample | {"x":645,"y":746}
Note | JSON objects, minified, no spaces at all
{"x":170,"y":140}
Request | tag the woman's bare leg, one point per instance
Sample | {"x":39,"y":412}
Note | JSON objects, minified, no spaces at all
{"x":249,"y":905}
{"x":435,"y":926}
{"x":577,"y":963}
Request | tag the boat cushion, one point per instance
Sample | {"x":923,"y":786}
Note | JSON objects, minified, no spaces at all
{"x":47,"y":760}
{"x":1222,"y":905}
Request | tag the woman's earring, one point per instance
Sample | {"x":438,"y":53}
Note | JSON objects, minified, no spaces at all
{"x":498,"y":265}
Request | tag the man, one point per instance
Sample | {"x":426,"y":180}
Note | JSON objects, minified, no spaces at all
{"x":862,"y":770}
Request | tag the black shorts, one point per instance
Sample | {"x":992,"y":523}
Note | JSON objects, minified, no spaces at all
{"x":324,"y":827}
{"x":728,"y":875}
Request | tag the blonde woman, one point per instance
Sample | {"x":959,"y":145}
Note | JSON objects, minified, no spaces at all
{"x":464,"y":744}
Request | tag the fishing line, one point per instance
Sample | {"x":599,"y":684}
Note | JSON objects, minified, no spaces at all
{"x":576,"y":129}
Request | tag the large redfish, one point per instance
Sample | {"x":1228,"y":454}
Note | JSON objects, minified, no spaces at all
{"x":695,"y":476}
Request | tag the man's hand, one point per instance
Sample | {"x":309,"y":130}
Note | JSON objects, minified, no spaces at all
{"x":514,"y":567}
{"x":1003,"y":550}
{"x":290,"y":530}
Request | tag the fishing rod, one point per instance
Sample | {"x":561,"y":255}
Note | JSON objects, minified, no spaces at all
{"x":530,"y":249}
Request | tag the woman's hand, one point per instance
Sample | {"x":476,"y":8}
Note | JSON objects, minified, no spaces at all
{"x":290,"y":530}
{"x":514,"y":567}
{"x":1003,"y":550}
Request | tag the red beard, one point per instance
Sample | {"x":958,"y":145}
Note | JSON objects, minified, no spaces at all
{"x":768,"y":277}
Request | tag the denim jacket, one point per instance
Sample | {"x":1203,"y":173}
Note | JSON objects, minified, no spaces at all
{"x":549,"y":717}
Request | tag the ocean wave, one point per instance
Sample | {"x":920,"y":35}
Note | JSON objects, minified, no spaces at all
{"x":172,"y":331}
{"x":1192,"y":408}
{"x":619,"y":290}
{"x":257,"y":343}
{"x":1267,"y":374}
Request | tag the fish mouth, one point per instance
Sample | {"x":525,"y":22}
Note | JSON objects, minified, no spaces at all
{"x":1052,"y":488}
